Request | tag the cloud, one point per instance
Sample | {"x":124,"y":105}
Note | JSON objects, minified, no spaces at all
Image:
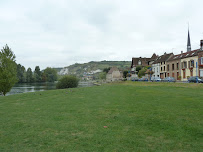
{"x":61,"y":32}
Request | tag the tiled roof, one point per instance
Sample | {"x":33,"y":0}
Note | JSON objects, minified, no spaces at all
{"x":163,"y":58}
{"x":184,"y":55}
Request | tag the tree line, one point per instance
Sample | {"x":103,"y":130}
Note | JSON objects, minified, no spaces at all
{"x":11,"y":72}
{"x":29,"y":76}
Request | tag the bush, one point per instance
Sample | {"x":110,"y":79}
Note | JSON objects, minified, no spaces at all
{"x":67,"y":82}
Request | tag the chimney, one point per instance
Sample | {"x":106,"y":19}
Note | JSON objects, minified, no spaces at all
{"x":201,"y":45}
{"x":181,"y":52}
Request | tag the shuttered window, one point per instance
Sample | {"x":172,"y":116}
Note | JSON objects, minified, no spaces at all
{"x":201,"y":73}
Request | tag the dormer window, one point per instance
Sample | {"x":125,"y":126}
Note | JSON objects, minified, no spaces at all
{"x":139,"y":62}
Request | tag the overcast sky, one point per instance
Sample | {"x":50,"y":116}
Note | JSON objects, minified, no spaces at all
{"x":58,"y":33}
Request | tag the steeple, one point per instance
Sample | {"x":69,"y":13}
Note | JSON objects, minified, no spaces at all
{"x":188,"y":42}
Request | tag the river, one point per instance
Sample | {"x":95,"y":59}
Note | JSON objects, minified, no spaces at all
{"x":33,"y":87}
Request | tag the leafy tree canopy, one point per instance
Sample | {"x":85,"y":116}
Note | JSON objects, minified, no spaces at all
{"x":8,"y":70}
{"x":49,"y":74}
{"x":106,"y":70}
{"x":141,"y":72}
{"x":138,"y":68}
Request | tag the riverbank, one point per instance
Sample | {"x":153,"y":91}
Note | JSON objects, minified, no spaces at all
{"x":43,"y":86}
{"x":127,"y":116}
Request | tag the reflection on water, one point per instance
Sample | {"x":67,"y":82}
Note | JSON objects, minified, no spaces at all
{"x":33,"y":87}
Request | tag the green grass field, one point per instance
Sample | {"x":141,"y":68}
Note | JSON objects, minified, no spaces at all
{"x":139,"y":117}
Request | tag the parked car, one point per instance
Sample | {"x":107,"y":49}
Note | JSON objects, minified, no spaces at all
{"x":155,"y":79}
{"x":143,"y":79}
{"x":169,"y":79}
{"x":195,"y":79}
{"x":134,"y":79}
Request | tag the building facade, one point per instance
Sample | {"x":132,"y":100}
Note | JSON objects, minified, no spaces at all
{"x":189,"y":65}
{"x":114,"y":75}
{"x":173,"y":67}
{"x":159,"y":67}
{"x":200,"y":59}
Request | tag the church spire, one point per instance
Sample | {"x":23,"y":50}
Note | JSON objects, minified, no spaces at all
{"x":188,"y":42}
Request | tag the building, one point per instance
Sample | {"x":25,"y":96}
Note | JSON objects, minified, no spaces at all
{"x":200,"y":59}
{"x":174,"y":67}
{"x":159,"y":66}
{"x":114,"y":75}
{"x":189,"y":64}
{"x":140,"y":62}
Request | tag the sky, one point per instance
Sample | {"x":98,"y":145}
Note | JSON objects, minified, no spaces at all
{"x":58,"y":33}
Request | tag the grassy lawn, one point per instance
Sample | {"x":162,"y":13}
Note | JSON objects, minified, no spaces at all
{"x":139,"y":117}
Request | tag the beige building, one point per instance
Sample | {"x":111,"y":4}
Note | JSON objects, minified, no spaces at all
{"x":188,"y":65}
{"x":114,"y":75}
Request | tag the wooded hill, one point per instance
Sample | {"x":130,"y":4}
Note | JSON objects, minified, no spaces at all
{"x":93,"y":67}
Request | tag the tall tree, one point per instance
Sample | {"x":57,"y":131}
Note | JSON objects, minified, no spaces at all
{"x":21,"y":73}
{"x":37,"y":74}
{"x":8,"y":70}
{"x":29,"y":76}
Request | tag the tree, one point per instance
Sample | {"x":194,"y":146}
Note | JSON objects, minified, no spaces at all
{"x":50,"y":74}
{"x":106,"y":70}
{"x":102,"y":75}
{"x":21,"y":73}
{"x":138,"y":68}
{"x":29,"y":76}
{"x":37,"y":74}
{"x":141,"y":72}
{"x":67,"y":81}
{"x":8,"y":70}
{"x":125,"y":73}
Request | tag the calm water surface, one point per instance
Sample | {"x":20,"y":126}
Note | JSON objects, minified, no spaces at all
{"x":33,"y":87}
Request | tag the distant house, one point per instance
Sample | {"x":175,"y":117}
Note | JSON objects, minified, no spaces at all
{"x":188,"y":64}
{"x":143,"y":61}
{"x":159,"y":65}
{"x":114,"y":75}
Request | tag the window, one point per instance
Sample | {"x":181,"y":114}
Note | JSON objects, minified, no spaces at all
{"x":161,"y":68}
{"x":184,"y":64}
{"x":168,"y":67}
{"x":191,"y":63}
{"x":139,"y":62}
{"x":172,"y":66}
{"x":201,"y":60}
{"x":201,"y":73}
{"x":164,"y":68}
{"x":177,"y":65}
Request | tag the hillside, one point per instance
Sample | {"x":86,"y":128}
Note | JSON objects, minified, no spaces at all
{"x":93,"y":67}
